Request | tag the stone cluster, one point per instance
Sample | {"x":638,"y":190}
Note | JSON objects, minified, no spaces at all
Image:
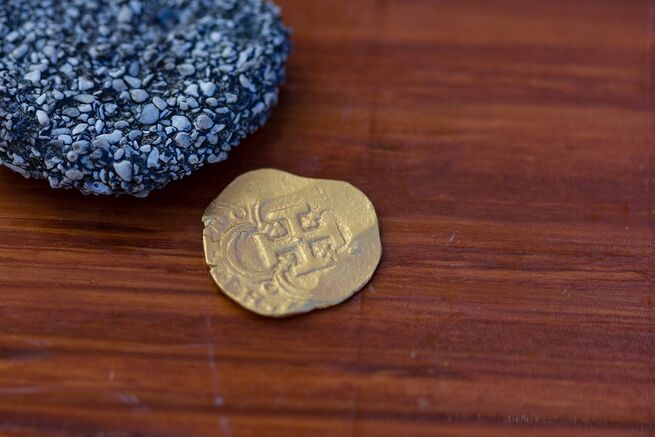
{"x":123,"y":96}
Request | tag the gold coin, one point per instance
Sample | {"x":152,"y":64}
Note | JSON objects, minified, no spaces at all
{"x":280,"y":244}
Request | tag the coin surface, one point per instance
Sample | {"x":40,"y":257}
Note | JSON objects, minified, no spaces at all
{"x":280,"y":244}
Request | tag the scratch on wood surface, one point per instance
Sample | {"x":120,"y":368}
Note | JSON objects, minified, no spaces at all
{"x":21,"y":390}
{"x":133,"y":402}
{"x":224,"y":424}
{"x":211,"y":356}
{"x":37,"y":342}
{"x":217,"y":398}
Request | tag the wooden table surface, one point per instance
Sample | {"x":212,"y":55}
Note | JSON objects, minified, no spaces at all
{"x":508,"y":148}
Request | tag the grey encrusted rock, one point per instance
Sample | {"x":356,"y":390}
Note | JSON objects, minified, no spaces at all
{"x":121,"y":97}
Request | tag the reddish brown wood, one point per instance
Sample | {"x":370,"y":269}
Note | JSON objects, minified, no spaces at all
{"x":508,"y":148}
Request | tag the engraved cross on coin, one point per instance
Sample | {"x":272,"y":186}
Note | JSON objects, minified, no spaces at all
{"x":311,"y":237}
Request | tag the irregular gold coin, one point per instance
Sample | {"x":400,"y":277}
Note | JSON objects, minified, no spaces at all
{"x":280,"y":244}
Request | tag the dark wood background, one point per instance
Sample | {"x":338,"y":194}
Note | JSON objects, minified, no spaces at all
{"x":508,"y":146}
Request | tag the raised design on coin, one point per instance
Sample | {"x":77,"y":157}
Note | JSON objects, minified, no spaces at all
{"x":280,"y":244}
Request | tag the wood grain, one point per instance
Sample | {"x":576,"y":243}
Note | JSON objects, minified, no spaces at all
{"x":508,"y":148}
